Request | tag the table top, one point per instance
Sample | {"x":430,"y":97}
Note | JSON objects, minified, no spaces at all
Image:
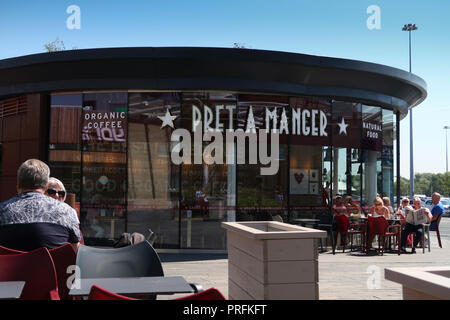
{"x":306,"y":220}
{"x":11,"y":289}
{"x":135,"y":285}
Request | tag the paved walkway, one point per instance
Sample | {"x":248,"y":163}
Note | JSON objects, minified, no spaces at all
{"x":341,"y":276}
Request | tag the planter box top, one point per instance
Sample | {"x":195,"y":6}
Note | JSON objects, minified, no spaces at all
{"x":265,"y":230}
{"x":434,"y":281}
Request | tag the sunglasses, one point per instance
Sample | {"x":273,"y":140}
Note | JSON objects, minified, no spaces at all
{"x":53,"y":192}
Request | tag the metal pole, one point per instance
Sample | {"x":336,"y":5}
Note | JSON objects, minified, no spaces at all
{"x":411,"y":152}
{"x":398,"y":156}
{"x":446,"y":148}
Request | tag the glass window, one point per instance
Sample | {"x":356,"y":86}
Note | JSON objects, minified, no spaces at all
{"x":346,"y":121}
{"x":310,"y":158}
{"x":387,"y":155}
{"x":371,"y":154}
{"x":208,"y":183}
{"x":153,"y":180}
{"x":104,"y":165}
{"x":263,"y":197}
{"x":65,"y":141}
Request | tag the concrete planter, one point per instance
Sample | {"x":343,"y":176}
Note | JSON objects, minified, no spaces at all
{"x":270,"y":260}
{"x":426,"y":283}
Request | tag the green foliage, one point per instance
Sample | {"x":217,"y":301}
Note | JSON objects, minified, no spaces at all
{"x":54,"y":46}
{"x":57,"y":45}
{"x":427,"y":183}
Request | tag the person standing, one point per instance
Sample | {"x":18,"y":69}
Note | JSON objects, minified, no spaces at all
{"x":339,"y":207}
{"x":33,"y":220}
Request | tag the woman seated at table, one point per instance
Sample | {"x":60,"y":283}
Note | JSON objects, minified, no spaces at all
{"x":387,"y":204}
{"x":339,"y":207}
{"x":378,"y":209}
{"x":404,"y":205}
{"x":352,"y":207}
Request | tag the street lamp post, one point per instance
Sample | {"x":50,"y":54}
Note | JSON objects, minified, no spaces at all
{"x":410,"y":27}
{"x":446,"y":148}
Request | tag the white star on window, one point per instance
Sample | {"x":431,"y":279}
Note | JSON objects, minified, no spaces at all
{"x":342,"y":127}
{"x":167,"y":119}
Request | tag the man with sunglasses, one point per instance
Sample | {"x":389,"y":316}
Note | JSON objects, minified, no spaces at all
{"x":31,"y":219}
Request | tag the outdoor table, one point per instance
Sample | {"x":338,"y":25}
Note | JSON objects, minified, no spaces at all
{"x":135,"y":285}
{"x":11,"y":289}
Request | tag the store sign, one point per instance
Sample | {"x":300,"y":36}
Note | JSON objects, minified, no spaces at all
{"x":305,"y":122}
{"x":372,"y":136}
{"x":372,"y":130}
{"x":104,"y":126}
{"x":207,"y":126}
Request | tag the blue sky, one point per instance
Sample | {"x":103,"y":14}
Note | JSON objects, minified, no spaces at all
{"x":320,"y":27}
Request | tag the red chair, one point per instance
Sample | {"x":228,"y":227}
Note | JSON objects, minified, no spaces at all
{"x":36,"y":268}
{"x":7,"y":251}
{"x":98,"y":293}
{"x":378,"y":226}
{"x":344,"y":228}
{"x":63,"y":257}
{"x":209,"y":294}
{"x":436,"y":228}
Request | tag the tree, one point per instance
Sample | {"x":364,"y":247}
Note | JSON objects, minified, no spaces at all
{"x":57,"y":45}
{"x":238,"y":45}
{"x":404,"y":186}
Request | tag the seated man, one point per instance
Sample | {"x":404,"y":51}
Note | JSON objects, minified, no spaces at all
{"x":437,"y":210}
{"x":417,"y":229}
{"x":31,"y":219}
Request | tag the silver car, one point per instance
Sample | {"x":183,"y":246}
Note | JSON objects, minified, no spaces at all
{"x":445,"y":202}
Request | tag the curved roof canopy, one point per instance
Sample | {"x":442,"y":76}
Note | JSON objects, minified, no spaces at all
{"x":224,"y":69}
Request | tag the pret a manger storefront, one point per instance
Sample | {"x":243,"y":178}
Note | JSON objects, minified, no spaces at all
{"x":103,"y":119}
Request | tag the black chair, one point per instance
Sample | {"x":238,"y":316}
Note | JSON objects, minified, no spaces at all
{"x":326,"y":224}
{"x":139,"y":260}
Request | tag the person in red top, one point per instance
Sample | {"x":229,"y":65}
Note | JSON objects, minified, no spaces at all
{"x":339,"y":207}
{"x":352,"y":207}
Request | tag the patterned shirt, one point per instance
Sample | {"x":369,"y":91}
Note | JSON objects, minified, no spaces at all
{"x":36,"y":209}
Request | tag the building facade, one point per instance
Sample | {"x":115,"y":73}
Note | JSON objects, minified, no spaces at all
{"x":105,"y":120}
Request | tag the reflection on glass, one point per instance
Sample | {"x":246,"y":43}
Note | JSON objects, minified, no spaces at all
{"x":346,"y":121}
{"x":64,"y":141}
{"x":310,"y":159}
{"x":104,"y":163}
{"x":262,"y":197}
{"x":152,"y":178}
{"x":371,"y":153}
{"x":387,"y":156}
{"x":111,"y":151}
{"x":208,"y":190}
